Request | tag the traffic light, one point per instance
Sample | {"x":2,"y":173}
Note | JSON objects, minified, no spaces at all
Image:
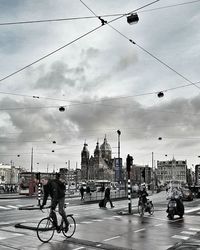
{"x":143,"y":173}
{"x":129,"y":162}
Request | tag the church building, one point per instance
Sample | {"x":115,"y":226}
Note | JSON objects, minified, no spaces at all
{"x":98,"y":166}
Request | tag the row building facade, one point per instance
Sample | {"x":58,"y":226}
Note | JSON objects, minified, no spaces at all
{"x":172,"y":170}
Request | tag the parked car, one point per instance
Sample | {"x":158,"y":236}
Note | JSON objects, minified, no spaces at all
{"x":187,"y":194}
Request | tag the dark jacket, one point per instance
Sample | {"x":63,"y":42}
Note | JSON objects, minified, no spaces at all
{"x":55,"y":189}
{"x":107,"y":193}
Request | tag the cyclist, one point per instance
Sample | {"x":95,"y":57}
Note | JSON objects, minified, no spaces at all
{"x":56,"y":190}
{"x":142,"y":193}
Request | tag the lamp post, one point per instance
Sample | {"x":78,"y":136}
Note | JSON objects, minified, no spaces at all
{"x":118,"y":167}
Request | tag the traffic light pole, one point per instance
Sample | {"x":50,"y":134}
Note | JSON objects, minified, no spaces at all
{"x":39,"y":189}
{"x":129,"y":162}
{"x":129,"y":194}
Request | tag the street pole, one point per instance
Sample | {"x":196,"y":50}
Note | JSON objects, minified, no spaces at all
{"x":68,"y":175}
{"x":39,"y":189}
{"x":129,"y":162}
{"x":119,"y":161}
{"x":32,"y":161}
{"x":152,"y":174}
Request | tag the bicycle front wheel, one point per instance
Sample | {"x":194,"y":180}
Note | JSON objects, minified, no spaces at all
{"x":140,"y":209}
{"x":71,"y":227}
{"x":45,"y":230}
{"x":151,"y":209}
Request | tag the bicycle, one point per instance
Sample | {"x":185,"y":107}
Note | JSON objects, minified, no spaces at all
{"x":46,"y":229}
{"x":145,"y":207}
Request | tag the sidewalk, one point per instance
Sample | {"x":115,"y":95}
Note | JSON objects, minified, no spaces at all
{"x":15,"y":196}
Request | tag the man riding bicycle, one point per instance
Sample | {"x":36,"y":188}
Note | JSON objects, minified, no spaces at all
{"x":56,"y":190}
{"x":142,"y":193}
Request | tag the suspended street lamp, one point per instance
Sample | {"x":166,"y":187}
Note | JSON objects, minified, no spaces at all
{"x":160,"y":94}
{"x":133,"y":18}
{"x":61,"y":109}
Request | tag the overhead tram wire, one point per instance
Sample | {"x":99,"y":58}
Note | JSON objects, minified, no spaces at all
{"x":149,"y":53}
{"x":155,"y":57}
{"x":74,"y":103}
{"x":169,"y":6}
{"x":73,"y":41}
{"x":90,"y":17}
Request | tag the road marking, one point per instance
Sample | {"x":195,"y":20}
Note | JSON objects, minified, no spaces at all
{"x":158,"y":225}
{"x":6,"y":208}
{"x":79,"y":248}
{"x":86,"y":222}
{"x":180,"y":237}
{"x":194,"y":229}
{"x":112,"y":238}
{"x":187,"y":232}
{"x":192,"y":210}
{"x":97,"y":220}
{"x":98,"y":245}
{"x":4,"y":223}
{"x":142,"y":229}
{"x":12,"y":206}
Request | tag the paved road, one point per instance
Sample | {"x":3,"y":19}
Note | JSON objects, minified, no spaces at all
{"x":101,"y":228}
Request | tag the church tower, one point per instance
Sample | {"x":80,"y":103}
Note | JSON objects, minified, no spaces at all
{"x":85,"y":155}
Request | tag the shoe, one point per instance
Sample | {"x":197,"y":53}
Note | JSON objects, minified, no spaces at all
{"x":58,"y":229}
{"x":112,"y":206}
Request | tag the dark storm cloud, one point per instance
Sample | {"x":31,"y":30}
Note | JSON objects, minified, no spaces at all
{"x":176,"y":119}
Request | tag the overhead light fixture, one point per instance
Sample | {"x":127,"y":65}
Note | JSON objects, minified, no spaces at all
{"x":160,"y":94}
{"x":133,"y":18}
{"x":61,"y":109}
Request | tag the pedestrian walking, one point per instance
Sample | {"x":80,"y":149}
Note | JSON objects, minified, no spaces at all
{"x":107,"y":197}
{"x":82,"y":192}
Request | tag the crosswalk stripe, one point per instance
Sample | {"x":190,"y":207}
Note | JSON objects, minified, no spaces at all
{"x":187,"y":232}
{"x":86,"y":222}
{"x":6,"y":208}
{"x":180,"y":237}
{"x":12,"y":206}
{"x":194,"y":229}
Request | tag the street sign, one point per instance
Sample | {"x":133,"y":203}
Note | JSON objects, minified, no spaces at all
{"x":118,"y":169}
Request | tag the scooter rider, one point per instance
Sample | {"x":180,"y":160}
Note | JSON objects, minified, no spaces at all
{"x":177,"y":195}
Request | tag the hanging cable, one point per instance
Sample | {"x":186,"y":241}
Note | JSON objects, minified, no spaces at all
{"x":73,"y":41}
{"x":90,"y":17}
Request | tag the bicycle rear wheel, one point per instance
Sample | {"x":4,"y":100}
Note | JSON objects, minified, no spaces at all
{"x":71,"y":227}
{"x":45,"y":230}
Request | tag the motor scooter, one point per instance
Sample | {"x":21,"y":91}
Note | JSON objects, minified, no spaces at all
{"x":175,"y":207}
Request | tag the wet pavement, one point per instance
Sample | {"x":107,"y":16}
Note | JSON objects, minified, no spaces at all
{"x":106,"y":228}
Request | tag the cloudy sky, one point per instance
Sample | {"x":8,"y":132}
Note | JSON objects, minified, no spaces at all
{"x":104,"y":81}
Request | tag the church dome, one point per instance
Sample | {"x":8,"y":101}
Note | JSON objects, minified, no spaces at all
{"x":105,"y":146}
